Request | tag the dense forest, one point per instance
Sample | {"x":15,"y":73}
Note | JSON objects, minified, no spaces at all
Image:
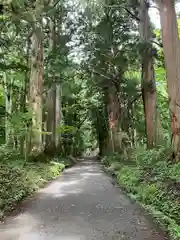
{"x":84,"y":76}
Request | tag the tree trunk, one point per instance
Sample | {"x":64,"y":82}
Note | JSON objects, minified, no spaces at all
{"x":51,"y":121}
{"x":53,"y":106}
{"x":148,"y":83}
{"x":58,"y":114}
{"x":23,"y":98}
{"x":8,"y":104}
{"x":22,"y":109}
{"x":36,"y":85}
{"x":171,"y":48}
{"x":113,"y":117}
{"x":133,"y":133}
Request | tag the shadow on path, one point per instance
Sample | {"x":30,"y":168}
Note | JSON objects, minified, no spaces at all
{"x":82,"y":204}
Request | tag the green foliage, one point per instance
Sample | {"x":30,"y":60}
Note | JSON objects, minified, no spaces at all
{"x":93,"y":54}
{"x":153,"y":180}
{"x":8,"y":154}
{"x":19,"y":179}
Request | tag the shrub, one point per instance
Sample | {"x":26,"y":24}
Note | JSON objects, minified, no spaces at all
{"x":18,"y":179}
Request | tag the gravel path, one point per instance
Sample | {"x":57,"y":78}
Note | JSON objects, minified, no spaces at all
{"x":82,"y":204}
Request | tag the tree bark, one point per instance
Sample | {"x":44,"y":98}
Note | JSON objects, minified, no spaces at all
{"x":36,"y":85}
{"x":51,"y":121}
{"x":113,"y":117}
{"x":23,"y":98}
{"x":148,"y":83}
{"x":58,"y":114}
{"x":53,"y":102}
{"x":171,"y":48}
{"x":22,"y":109}
{"x":8,"y":108}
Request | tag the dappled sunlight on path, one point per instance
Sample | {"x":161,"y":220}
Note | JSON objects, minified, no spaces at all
{"x":81,"y":204}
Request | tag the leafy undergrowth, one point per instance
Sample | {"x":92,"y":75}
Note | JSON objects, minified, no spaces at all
{"x":153,"y":181}
{"x":19,"y":178}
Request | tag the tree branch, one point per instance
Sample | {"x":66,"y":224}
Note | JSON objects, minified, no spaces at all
{"x":158,"y":44}
{"x":102,"y":75}
{"x":132,"y":14}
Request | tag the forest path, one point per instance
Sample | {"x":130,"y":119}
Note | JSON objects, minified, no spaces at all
{"x":82,"y":204}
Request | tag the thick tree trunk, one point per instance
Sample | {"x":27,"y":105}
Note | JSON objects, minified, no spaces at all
{"x":53,"y":104}
{"x":113,"y":117}
{"x":51,"y":121}
{"x":148,"y":77}
{"x":171,"y":48}
{"x":36,"y":85}
{"x":23,"y":99}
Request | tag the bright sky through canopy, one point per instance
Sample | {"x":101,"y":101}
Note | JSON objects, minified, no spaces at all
{"x":154,"y":15}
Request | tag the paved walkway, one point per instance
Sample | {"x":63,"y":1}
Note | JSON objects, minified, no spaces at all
{"x":82,"y":204}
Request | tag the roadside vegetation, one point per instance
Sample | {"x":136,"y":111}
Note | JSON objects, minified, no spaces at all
{"x":151,"y":179}
{"x":20,"y":179}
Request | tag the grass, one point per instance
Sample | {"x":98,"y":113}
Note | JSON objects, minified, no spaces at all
{"x":19,"y":179}
{"x":154,"y":182}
